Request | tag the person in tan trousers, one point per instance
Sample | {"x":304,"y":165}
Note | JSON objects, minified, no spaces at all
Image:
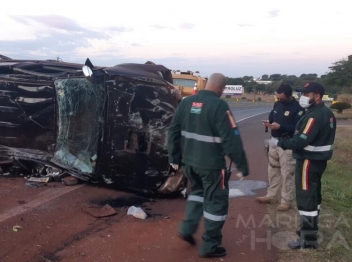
{"x":281,"y":168}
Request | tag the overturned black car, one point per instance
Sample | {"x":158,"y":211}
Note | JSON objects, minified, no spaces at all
{"x":95,"y":123}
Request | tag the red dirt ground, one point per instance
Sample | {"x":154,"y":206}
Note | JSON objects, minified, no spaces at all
{"x":59,"y":230}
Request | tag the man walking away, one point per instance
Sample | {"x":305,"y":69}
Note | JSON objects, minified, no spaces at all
{"x":206,"y":129}
{"x":312,"y":146}
{"x":281,"y":168}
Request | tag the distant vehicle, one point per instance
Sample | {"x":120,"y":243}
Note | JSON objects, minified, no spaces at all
{"x":188,"y":82}
{"x":326,"y":98}
{"x":95,"y":123}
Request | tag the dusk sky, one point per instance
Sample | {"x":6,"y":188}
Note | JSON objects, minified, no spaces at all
{"x":236,"y":38}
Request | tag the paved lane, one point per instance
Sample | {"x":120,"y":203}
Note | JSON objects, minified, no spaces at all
{"x":246,"y":110}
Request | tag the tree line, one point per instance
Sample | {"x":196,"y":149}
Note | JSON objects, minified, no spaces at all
{"x":336,"y":81}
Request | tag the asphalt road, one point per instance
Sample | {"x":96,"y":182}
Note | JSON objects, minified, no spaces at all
{"x":245,"y":110}
{"x":54,"y":224}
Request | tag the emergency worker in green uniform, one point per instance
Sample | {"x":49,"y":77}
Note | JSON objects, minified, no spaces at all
{"x":312,"y":146}
{"x":204,"y":127}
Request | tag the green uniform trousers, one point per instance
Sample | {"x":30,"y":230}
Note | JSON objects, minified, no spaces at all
{"x":308,"y":194}
{"x":209,"y":197}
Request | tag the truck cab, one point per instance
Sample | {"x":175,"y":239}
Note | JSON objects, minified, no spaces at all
{"x":188,"y":82}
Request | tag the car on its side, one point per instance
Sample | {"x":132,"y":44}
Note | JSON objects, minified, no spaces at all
{"x":95,"y":123}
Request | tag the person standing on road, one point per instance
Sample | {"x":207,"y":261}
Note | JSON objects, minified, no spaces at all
{"x":312,"y":146}
{"x":205,"y":128}
{"x":281,"y":168}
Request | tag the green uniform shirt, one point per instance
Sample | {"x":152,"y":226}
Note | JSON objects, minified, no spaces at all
{"x":314,"y":135}
{"x":203,"y":126}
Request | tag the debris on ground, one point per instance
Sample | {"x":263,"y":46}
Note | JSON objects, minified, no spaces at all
{"x":137,"y":212}
{"x":69,"y":181}
{"x":100,"y":212}
{"x":16,"y":228}
{"x":37,"y":174}
{"x":39,"y":179}
{"x":35,"y":184}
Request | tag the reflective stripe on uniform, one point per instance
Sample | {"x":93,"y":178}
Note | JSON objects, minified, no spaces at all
{"x":308,"y":213}
{"x":318,"y":148}
{"x":305,"y":176}
{"x":202,"y":138}
{"x":195,"y":198}
{"x":213,"y":217}
{"x":318,"y":207}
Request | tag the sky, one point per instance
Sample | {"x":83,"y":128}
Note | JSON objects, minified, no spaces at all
{"x":236,"y":38}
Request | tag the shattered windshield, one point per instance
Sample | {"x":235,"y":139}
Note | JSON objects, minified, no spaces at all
{"x":80,"y":107}
{"x":184,"y":82}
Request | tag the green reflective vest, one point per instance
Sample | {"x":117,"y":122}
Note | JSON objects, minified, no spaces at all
{"x":203,"y":130}
{"x":314,"y":136}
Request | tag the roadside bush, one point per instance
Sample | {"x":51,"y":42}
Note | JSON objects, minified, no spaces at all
{"x":345,"y":98}
{"x":259,"y":99}
{"x":243,"y":97}
{"x":340,"y":106}
{"x":228,"y":96}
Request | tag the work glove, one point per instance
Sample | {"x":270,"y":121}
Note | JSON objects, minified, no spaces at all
{"x":272,"y":142}
{"x":174,"y":166}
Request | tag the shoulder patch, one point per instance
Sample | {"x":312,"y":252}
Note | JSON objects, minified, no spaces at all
{"x":303,"y":136}
{"x":196,"y":108}
{"x":231,"y":119}
{"x":331,"y":122}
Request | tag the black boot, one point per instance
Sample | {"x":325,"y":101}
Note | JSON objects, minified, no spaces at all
{"x":189,"y":239}
{"x":219,"y":252}
{"x":298,"y":244}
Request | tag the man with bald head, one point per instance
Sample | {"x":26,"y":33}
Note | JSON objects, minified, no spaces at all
{"x":203,"y":131}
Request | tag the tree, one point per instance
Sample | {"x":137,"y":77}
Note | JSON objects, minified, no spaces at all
{"x":270,"y":89}
{"x":250,"y":86}
{"x":234,"y":81}
{"x":260,"y":88}
{"x":340,"y":74}
{"x":310,"y":77}
{"x":275,"y":77}
{"x":247,"y":78}
{"x":265,"y":77}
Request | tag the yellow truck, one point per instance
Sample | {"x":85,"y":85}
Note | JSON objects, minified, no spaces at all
{"x":188,"y":82}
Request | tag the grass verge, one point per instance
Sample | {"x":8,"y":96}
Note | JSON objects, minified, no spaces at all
{"x":335,"y":221}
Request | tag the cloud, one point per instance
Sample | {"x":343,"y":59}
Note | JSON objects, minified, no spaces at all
{"x":187,"y":26}
{"x":52,"y":21}
{"x":274,"y":13}
{"x":54,"y":35}
{"x":244,"y":25}
{"x":160,"y":27}
{"x":119,"y":29}
{"x":264,"y":54}
{"x":60,"y":23}
{"x":48,"y":46}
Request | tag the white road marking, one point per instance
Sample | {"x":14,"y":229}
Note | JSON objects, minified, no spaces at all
{"x":45,"y":196}
{"x":236,"y":193}
{"x":238,"y":188}
{"x":252,"y":116}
